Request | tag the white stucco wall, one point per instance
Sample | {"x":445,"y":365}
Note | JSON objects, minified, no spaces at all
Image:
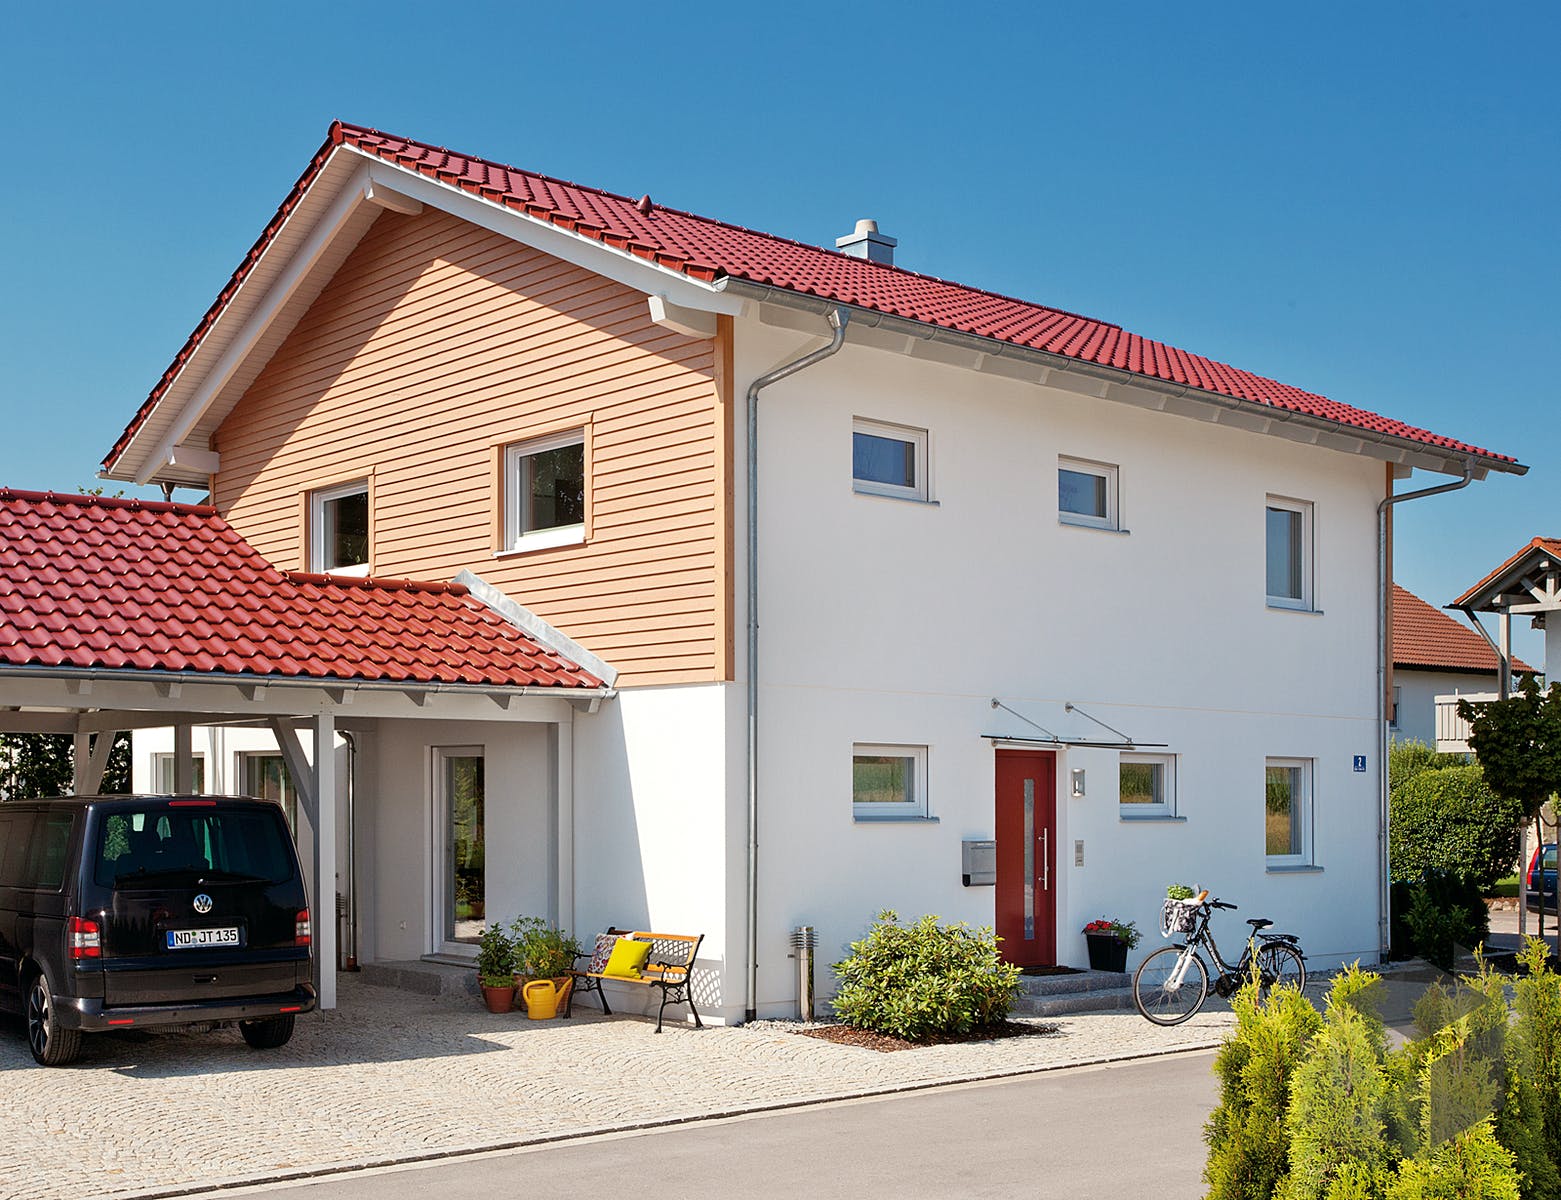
{"x":887,"y":620}
{"x":1417,"y":693}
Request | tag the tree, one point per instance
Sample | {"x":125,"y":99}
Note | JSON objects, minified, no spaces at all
{"x":43,"y":764}
{"x":1517,"y":742}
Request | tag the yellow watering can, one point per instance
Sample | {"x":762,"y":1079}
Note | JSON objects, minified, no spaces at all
{"x":543,"y":997}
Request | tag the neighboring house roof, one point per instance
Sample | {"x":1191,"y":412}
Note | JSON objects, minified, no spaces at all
{"x":1427,"y":638}
{"x":712,"y":251}
{"x":88,"y":582}
{"x":1541,"y":555}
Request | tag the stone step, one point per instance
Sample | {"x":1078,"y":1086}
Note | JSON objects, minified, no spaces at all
{"x":1082,"y":981}
{"x":422,"y":977}
{"x":1098,"y":1000}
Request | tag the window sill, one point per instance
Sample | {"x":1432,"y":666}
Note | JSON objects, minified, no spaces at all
{"x":1092,"y":526}
{"x":893,"y":820}
{"x":547,"y":539}
{"x":1297,"y":869}
{"x":859,"y":490}
{"x":356,"y":571}
{"x":1151,"y":819}
{"x":1291,"y":608}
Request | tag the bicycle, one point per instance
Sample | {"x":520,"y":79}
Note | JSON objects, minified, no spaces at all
{"x":1172,"y":983}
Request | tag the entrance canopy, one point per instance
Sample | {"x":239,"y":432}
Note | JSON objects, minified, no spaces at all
{"x":126,"y":614}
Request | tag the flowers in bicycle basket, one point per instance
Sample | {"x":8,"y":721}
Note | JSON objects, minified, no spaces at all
{"x":1124,"y":931}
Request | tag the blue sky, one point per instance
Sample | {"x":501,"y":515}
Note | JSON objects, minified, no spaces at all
{"x":1356,"y":199}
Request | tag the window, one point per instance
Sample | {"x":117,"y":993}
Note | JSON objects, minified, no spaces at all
{"x":889,"y":781}
{"x":460,"y":795}
{"x":1289,"y":536}
{"x":1148,"y":785}
{"x":1288,"y":811}
{"x":1398,"y":696}
{"x":339,"y":530}
{"x":544,"y":492}
{"x":265,"y":777}
{"x":1086,"y":493}
{"x":889,"y":460}
{"x":162,"y":774}
{"x":47,"y":852}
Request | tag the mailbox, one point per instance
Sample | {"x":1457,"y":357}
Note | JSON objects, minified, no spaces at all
{"x":978,"y":862}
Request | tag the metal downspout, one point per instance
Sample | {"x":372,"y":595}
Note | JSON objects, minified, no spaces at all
{"x":351,"y":955}
{"x":1383,"y":583}
{"x":838,"y":319}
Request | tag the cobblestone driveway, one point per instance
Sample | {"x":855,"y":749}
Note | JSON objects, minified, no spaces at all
{"x":391,"y":1076}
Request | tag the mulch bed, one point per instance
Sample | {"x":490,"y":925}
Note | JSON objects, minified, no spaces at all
{"x":845,"y":1035}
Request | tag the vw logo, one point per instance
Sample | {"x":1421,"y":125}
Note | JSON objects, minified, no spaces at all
{"x":203,"y":904}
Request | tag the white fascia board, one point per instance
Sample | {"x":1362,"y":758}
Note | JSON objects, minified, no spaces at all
{"x":597,"y":257}
{"x":690,"y":322}
{"x":196,"y":459}
{"x":277,"y":293}
{"x":535,"y":627}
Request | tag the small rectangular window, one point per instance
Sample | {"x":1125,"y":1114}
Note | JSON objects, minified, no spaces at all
{"x":47,"y":853}
{"x":1288,"y":810}
{"x":266,"y":777}
{"x":162,"y":774}
{"x":889,"y":781}
{"x":339,"y":530}
{"x":544,"y":491}
{"x":1087,"y":493}
{"x":1288,"y":534}
{"x":1147,"y":785}
{"x":889,"y":460}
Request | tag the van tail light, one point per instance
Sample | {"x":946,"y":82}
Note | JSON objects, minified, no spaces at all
{"x":302,"y":929}
{"x":86,"y":939}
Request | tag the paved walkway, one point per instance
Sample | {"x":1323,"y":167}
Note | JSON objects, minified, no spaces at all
{"x":392,"y":1077}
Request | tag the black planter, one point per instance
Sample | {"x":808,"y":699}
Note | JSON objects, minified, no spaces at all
{"x":1107,"y":952}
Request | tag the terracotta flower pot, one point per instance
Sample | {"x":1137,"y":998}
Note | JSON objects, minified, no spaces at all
{"x":499,"y":999}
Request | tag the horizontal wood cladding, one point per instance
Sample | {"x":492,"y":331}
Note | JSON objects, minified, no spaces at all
{"x":437,"y":342}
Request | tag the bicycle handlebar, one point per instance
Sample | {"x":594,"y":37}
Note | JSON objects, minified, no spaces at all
{"x":1221,"y":904}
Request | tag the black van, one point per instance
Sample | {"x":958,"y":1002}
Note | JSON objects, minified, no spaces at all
{"x":124,"y":912}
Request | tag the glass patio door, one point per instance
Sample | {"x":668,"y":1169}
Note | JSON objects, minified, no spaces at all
{"x":461,"y":909}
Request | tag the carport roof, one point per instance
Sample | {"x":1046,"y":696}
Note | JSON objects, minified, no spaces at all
{"x":95,"y":583}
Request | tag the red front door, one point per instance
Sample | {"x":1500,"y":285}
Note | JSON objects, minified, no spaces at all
{"x":1027,"y":856}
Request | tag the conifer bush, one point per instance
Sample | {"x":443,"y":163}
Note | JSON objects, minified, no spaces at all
{"x":916,"y":981}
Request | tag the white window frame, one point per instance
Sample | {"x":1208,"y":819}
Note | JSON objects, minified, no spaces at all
{"x":514,"y":498}
{"x":916,"y":807}
{"x":1166,"y":805}
{"x":1107,"y":471}
{"x":317,"y":501}
{"x":439,"y":876}
{"x":1304,"y":857}
{"x":289,"y":800}
{"x":1303,"y":603}
{"x":163,"y":770}
{"x":915,"y":438}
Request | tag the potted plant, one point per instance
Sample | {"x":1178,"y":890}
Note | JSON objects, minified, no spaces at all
{"x":496,"y":968}
{"x":543,"y":953}
{"x":1109,"y":941}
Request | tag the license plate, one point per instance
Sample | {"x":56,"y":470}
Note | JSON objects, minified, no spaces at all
{"x":192,"y":939}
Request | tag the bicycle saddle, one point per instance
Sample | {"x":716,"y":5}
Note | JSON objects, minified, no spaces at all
{"x":1259,"y":923}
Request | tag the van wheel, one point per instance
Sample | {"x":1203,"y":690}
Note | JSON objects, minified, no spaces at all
{"x":267,"y":1033}
{"x":51,"y":1045}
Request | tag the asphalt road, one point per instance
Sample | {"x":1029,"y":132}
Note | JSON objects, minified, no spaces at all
{"x":1105,"y":1131}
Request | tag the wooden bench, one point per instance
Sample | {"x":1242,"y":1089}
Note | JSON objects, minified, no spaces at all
{"x":670,"y":967}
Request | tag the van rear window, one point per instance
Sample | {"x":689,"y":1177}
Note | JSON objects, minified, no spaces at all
{"x":160,"y":843}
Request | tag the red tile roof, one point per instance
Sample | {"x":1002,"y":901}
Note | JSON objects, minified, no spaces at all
{"x":710,"y":250}
{"x":1428,"y":638}
{"x":1550,"y":546}
{"x":87,"y":582}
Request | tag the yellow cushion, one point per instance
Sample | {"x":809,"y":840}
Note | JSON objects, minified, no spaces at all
{"x":626,"y":959}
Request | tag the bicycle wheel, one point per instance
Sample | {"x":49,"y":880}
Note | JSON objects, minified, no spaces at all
{"x":1157,"y":993}
{"x":1281,"y":964}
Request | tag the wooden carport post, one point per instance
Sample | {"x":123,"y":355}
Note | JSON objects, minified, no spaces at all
{"x":316,"y":784}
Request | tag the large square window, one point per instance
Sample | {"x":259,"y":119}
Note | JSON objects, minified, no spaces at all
{"x":889,"y":460}
{"x":1288,"y":534}
{"x":1147,"y":784}
{"x":544,"y":491}
{"x":889,"y":781}
{"x":339,"y":530}
{"x":1086,"y":493}
{"x":1287,"y":811}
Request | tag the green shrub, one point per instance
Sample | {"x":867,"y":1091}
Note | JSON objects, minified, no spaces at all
{"x":541,"y":950}
{"x":1537,"y":998}
{"x":1249,"y":1141}
{"x":1448,"y":819}
{"x":1436,"y":916}
{"x":1409,"y":758}
{"x":916,"y":981}
{"x":496,"y":956}
{"x":1471,"y":1166}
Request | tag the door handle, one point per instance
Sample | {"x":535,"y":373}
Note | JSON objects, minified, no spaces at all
{"x":1046,"y":860}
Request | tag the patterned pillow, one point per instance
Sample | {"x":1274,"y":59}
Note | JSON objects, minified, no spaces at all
{"x":603,"y":951}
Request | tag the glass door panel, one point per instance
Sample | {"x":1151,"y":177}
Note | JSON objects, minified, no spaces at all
{"x":465,"y":911}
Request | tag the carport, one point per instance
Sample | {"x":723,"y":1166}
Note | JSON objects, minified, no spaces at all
{"x":122,"y":615}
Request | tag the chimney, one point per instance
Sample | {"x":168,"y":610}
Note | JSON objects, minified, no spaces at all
{"x":868,"y":243}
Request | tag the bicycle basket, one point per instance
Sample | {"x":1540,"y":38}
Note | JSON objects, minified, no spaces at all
{"x":1178,"y":917}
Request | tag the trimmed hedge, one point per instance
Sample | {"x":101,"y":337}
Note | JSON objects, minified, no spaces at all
{"x":1446,"y":818}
